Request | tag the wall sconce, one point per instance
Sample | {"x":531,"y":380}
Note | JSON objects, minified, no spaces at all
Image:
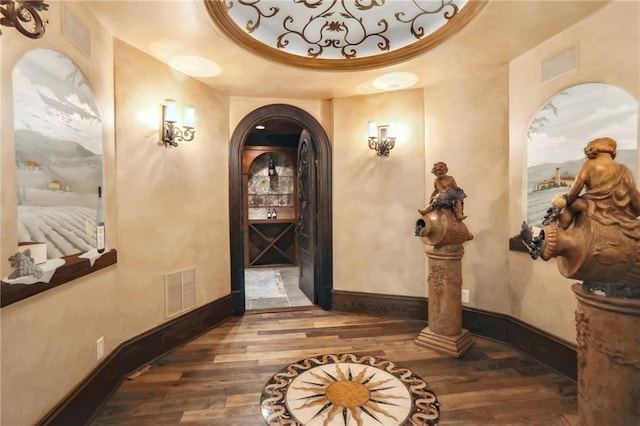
{"x":24,"y":16}
{"x":382,"y":138}
{"x":171,"y":133}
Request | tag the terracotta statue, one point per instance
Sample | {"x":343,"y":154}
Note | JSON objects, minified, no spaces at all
{"x":442,"y":232}
{"x":441,"y":222}
{"x":446,"y":193}
{"x":593,"y":230}
{"x":610,"y":197}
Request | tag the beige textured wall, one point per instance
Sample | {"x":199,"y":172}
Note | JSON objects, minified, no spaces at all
{"x":608,"y":52}
{"x":166,"y":211}
{"x":172,"y":202}
{"x":375,"y":198}
{"x":466,"y":123}
{"x":49,"y":340}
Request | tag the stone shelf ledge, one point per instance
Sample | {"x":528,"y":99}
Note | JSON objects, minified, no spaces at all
{"x":515,"y":244}
{"x":73,"y":268}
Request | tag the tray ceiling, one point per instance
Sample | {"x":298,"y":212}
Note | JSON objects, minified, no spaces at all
{"x":182,"y":33}
{"x":345,"y":34}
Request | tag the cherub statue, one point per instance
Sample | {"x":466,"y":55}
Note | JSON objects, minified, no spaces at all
{"x":594,"y":229}
{"x":610,"y":195}
{"x":446,"y":193}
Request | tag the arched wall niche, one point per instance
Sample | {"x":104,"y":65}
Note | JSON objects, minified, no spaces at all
{"x":559,"y":131}
{"x":59,"y":153}
{"x":58,"y":142}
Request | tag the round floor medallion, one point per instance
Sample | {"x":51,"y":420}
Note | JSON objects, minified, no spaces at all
{"x":348,"y":390}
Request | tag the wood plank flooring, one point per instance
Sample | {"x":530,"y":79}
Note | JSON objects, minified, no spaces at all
{"x":217,"y":379}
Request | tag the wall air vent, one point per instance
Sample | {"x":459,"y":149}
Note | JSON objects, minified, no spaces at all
{"x":559,"y":64}
{"x":179,"y":291}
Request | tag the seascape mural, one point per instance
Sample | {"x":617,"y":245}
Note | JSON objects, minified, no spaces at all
{"x":58,"y":144}
{"x":561,"y":129}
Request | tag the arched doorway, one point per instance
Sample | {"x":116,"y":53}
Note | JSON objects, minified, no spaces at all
{"x":321,"y":216}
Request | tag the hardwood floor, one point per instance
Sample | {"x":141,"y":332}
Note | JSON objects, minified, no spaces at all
{"x":217,"y":379}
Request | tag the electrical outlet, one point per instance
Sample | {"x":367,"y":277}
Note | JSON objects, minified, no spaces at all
{"x":465,"y":296}
{"x":99,"y":348}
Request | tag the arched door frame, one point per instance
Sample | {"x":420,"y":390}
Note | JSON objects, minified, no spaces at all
{"x":324,"y":240}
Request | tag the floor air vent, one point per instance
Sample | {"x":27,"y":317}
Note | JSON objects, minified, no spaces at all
{"x":179,"y":291}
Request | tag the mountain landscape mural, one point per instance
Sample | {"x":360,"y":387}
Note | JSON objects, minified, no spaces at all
{"x":58,"y":145}
{"x":561,"y":129}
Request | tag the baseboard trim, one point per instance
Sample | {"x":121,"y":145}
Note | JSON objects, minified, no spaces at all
{"x":82,"y":403}
{"x":406,"y":307}
{"x":538,"y":344}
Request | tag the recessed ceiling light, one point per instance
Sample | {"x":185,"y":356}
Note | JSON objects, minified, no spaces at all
{"x":395,"y":81}
{"x":195,"y":66}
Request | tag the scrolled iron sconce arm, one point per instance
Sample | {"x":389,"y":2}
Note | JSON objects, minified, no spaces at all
{"x":22,"y":14}
{"x":173,"y":134}
{"x":383,"y":146}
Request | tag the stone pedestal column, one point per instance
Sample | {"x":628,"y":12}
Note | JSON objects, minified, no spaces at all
{"x":445,"y":333}
{"x":608,"y":359}
{"x":443,"y":235}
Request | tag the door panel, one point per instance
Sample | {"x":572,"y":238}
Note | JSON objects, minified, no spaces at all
{"x":307,"y":217}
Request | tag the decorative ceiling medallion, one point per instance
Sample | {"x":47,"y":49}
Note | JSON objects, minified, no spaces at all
{"x":341,"y":34}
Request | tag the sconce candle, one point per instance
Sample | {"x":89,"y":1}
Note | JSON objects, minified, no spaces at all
{"x":189,"y":117}
{"x":392,"y":132}
{"x":171,"y":132}
{"x":373,"y":129}
{"x":170,"y":112}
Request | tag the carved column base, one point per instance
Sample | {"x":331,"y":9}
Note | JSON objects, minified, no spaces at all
{"x":443,"y":235}
{"x":453,"y":346}
{"x":608,"y":359}
{"x":445,"y":333}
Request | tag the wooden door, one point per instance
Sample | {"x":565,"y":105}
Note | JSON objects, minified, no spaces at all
{"x":307,"y":216}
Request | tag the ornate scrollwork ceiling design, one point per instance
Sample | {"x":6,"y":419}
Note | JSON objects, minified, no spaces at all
{"x":341,"y":34}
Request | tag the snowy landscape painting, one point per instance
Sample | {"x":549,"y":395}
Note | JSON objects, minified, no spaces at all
{"x":58,"y":144}
{"x":562,"y":128}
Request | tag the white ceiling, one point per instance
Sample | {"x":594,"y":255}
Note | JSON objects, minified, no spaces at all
{"x":503,"y":30}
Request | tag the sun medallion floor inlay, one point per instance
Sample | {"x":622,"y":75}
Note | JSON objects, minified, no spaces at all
{"x":348,"y":390}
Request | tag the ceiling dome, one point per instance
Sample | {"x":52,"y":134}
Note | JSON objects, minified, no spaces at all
{"x":341,"y":34}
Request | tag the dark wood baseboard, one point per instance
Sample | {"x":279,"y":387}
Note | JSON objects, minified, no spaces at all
{"x":84,"y":401}
{"x":406,"y":307}
{"x":538,"y":344}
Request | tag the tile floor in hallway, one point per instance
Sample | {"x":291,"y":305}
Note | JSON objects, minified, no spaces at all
{"x":273,"y":287}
